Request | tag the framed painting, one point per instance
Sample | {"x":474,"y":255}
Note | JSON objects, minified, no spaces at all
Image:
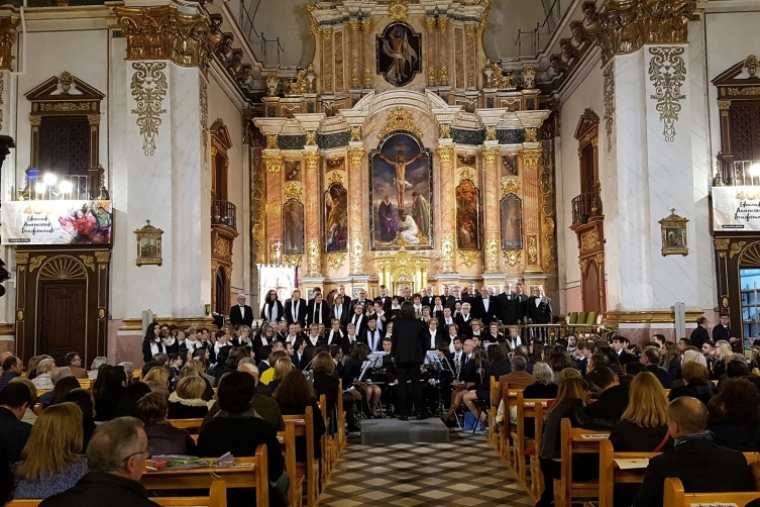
{"x":149,"y":245}
{"x":468,"y":215}
{"x":401,"y":183}
{"x":511,"y":223}
{"x":292,"y":222}
{"x":336,"y":219}
{"x":399,"y":54}
{"x":674,"y":234}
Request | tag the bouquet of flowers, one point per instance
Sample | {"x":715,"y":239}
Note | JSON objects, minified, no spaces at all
{"x":180,"y":462}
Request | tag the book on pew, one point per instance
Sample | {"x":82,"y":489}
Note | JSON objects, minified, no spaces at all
{"x":594,"y":436}
{"x":632,"y":464}
{"x":713,"y":504}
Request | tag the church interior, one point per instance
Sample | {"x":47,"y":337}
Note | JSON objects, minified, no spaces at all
{"x":177,"y":161}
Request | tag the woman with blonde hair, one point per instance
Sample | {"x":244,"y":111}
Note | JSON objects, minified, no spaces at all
{"x":696,"y":383}
{"x":723,"y":354}
{"x":51,"y":461}
{"x":570,"y":403}
{"x":158,"y":380}
{"x":44,"y":369}
{"x":282,"y":367}
{"x":194,"y":368}
{"x":186,"y":402}
{"x":643,"y":426}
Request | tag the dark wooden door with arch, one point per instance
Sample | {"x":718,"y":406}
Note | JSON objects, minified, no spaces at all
{"x":62,"y":317}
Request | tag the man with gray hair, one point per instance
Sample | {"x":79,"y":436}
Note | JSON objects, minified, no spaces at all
{"x":116,"y":458}
{"x":518,"y":378}
{"x":129,"y":371}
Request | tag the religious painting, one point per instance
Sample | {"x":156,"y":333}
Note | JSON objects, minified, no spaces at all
{"x":511,"y":223}
{"x":336,"y":219}
{"x":399,"y":54}
{"x":401,"y":182}
{"x":292,"y":170}
{"x":336,"y":164}
{"x":465,"y":159}
{"x":674,"y":234}
{"x":292,"y":225}
{"x":468,"y":215}
{"x":509,"y":166}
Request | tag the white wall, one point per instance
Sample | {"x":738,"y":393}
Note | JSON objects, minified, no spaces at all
{"x":504,"y":20}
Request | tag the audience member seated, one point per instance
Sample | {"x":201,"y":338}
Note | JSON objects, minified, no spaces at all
{"x":231,"y":363}
{"x":670,"y":359}
{"x":643,"y":425}
{"x":195,"y":368}
{"x":518,"y":378}
{"x":543,"y":386}
{"x":722,"y":355}
{"x":559,"y":361}
{"x":107,"y":391}
{"x":695,"y":382}
{"x":29,"y":415}
{"x":12,"y":368}
{"x":31,"y":365}
{"x":497,"y":367}
{"x":294,"y":395}
{"x":129,"y":371}
{"x":650,"y":358}
{"x":570,"y":402}
{"x":163,"y":438}
{"x":132,"y":394}
{"x":14,"y":400}
{"x":158,"y":380}
{"x":51,"y":460}
{"x":236,"y":429}
{"x":702,"y":465}
{"x":689,"y":356}
{"x":116,"y":458}
{"x":281,"y":367}
{"x":325,"y":382}
{"x":43,"y":380}
{"x":186,"y":401}
{"x":74,"y":362}
{"x":613,"y":398}
{"x":735,"y":415}
{"x":566,"y":374}
{"x":267,"y":375}
{"x":63,"y":386}
{"x":83,"y":399}
{"x":95,"y":366}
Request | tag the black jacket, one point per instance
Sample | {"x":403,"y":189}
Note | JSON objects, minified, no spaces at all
{"x":740,"y":437}
{"x":702,"y":467}
{"x":300,"y":314}
{"x":610,"y":405}
{"x":97,"y":488}
{"x":409,"y":341}
{"x":702,"y":393}
{"x":312,"y":315}
{"x":236,"y":318}
{"x":627,"y":436}
{"x":13,"y":433}
{"x":511,"y":308}
{"x":267,"y":313}
{"x":541,"y":314}
{"x":699,"y":336}
{"x":721,"y":333}
{"x":327,"y":384}
{"x":480,"y":312}
{"x":571,"y":408}
{"x":662,"y":375}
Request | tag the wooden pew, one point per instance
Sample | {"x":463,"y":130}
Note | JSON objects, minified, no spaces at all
{"x":341,"y":419}
{"x":494,"y":437}
{"x":526,"y":409}
{"x":287,"y":439}
{"x":304,"y":426}
{"x":85,"y":383}
{"x":538,"y":410}
{"x":217,"y":497}
{"x":676,"y":497}
{"x":247,"y":473}
{"x":325,"y":443}
{"x":508,"y":453}
{"x":576,"y":441}
{"x":191,"y":425}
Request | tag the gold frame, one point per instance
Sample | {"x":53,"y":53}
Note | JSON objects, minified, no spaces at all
{"x":673,"y":227}
{"x":147,"y":234}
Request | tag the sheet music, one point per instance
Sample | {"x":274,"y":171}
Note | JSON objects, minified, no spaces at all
{"x":714,"y":504}
{"x":632,"y":464}
{"x":594,"y":436}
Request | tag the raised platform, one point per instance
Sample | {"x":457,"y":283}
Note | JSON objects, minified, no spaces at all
{"x":394,"y":431}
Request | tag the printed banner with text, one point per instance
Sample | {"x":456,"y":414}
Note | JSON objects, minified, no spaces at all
{"x":56,"y":222}
{"x":736,"y":208}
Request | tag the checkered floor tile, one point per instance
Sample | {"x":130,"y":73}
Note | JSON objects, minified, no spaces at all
{"x":465,"y":472}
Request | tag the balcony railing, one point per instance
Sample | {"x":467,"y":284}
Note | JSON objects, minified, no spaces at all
{"x":39,"y":187}
{"x":224,"y":213}
{"x":585,"y":206}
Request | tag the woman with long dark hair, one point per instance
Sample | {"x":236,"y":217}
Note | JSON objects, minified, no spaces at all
{"x":271,"y":310}
{"x":496,"y":366}
{"x":351,"y":373}
{"x":293,"y":395}
{"x":152,"y":343}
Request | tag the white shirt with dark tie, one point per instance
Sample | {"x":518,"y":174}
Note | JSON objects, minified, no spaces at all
{"x":538,"y":302}
{"x":242,"y":311}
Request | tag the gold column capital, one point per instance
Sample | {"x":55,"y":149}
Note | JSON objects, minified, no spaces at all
{"x":429,"y":24}
{"x":490,"y":155}
{"x":273,"y":163}
{"x":445,"y":153}
{"x":443,"y":22}
{"x":492,"y":254}
{"x":724,"y":105}
{"x":312,"y":160}
{"x":8,"y":27}
{"x":530,"y":158}
{"x":165,"y":33}
{"x":356,"y":155}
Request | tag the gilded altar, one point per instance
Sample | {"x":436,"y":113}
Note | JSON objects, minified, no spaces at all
{"x":402,"y":154}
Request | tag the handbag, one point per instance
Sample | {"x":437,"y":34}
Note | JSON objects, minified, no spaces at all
{"x":662,"y":444}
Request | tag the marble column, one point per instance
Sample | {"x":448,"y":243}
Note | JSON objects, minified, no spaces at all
{"x":313,"y":207}
{"x":448,"y":205}
{"x":470,"y":46}
{"x":444,"y":51}
{"x":431,"y":68}
{"x":273,"y":162}
{"x":491,"y":213}
{"x":355,"y":49}
{"x":529,"y":167}
{"x":368,"y":54}
{"x":327,"y":59}
{"x":355,"y":226}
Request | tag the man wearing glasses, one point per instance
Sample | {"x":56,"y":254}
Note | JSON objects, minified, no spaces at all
{"x":116,"y":458}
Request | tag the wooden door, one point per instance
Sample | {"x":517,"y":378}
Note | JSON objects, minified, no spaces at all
{"x":591,"y":299}
{"x":222,"y":293}
{"x":62,"y":318}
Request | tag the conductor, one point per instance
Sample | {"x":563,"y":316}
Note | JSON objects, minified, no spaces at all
{"x":408,"y":350}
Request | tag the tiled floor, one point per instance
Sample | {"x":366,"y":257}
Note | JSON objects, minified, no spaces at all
{"x":465,"y":472}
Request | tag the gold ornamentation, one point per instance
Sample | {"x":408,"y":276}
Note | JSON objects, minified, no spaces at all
{"x":511,"y":186}
{"x":356,"y":133}
{"x":492,"y":255}
{"x":532,"y":250}
{"x":313,"y":258}
{"x":275,"y":252}
{"x":367,"y":25}
{"x":491,"y":133}
{"x":531,"y":135}
{"x":429,"y":24}
{"x":724,"y":105}
{"x":20,"y":314}
{"x":149,"y":89}
{"x":468,"y":257}
{"x":149,"y":245}
{"x":356,"y":155}
{"x":398,"y":10}
{"x":292,"y":259}
{"x":367,"y":78}
{"x":750,"y":65}
{"x":609,"y":101}
{"x":336,"y":178}
{"x":747,"y":91}
{"x":445,"y":153}
{"x":530,"y":158}
{"x":203,"y":98}
{"x":443,"y":75}
{"x":590,"y":241}
{"x":447,"y":254}
{"x":512,"y":257}
{"x":300,"y":85}
{"x":63,"y":267}
{"x":399,"y":120}
{"x":274,"y":208}
{"x":327,"y":32}
{"x":36,"y":262}
{"x":529,"y":77}
{"x":495,"y":77}
{"x":272,"y":142}
{"x":357,"y":257}
{"x":584,"y":265}
{"x":89,"y":261}
{"x":273,"y":82}
{"x":466,"y":174}
{"x":721,"y":244}
{"x":22,"y":258}
{"x":673,"y":229}
{"x":2,"y":98}
{"x":312,"y":160}
{"x":311,"y":138}
{"x":355,"y":78}
{"x":101,"y":313}
{"x":222,"y":248}
{"x":336,"y":260}
{"x":354,"y":25}
{"x":293,"y":191}
{"x":35,"y":121}
{"x":491,"y":155}
{"x":667,"y":72}
{"x":470,"y":28}
{"x":548,"y":226}
{"x":273,"y":163}
{"x":102,"y":257}
{"x":160,"y":33}
{"x":61,"y":107}
{"x":736,"y":248}
{"x":445,"y":130}
{"x":431,"y":76}
{"x":8,"y":26}
{"x":443,"y":22}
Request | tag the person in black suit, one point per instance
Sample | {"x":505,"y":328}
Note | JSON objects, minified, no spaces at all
{"x":471,"y":294}
{"x":318,"y":312}
{"x":271,"y":310}
{"x":348,"y":341}
{"x":336,"y":334}
{"x":539,"y":308}
{"x":722,"y":331}
{"x":408,"y":349}
{"x":464,"y":321}
{"x":386,"y":300}
{"x":15,"y":398}
{"x":372,"y":337}
{"x":700,"y":335}
{"x":701,"y":465}
{"x":455,"y":298}
{"x":340,"y":309}
{"x":241,"y":314}
{"x":650,"y":358}
{"x":428,"y":298}
{"x":296,"y":308}
{"x":300,"y":359}
{"x":522,"y":303}
{"x":509,"y":307}
{"x":619,"y":345}
{"x":613,"y":399}
{"x":434,"y":334}
{"x":361,"y":300}
{"x":485,"y":307}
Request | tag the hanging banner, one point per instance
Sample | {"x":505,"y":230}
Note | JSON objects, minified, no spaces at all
{"x":736,"y":208}
{"x":56,"y":222}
